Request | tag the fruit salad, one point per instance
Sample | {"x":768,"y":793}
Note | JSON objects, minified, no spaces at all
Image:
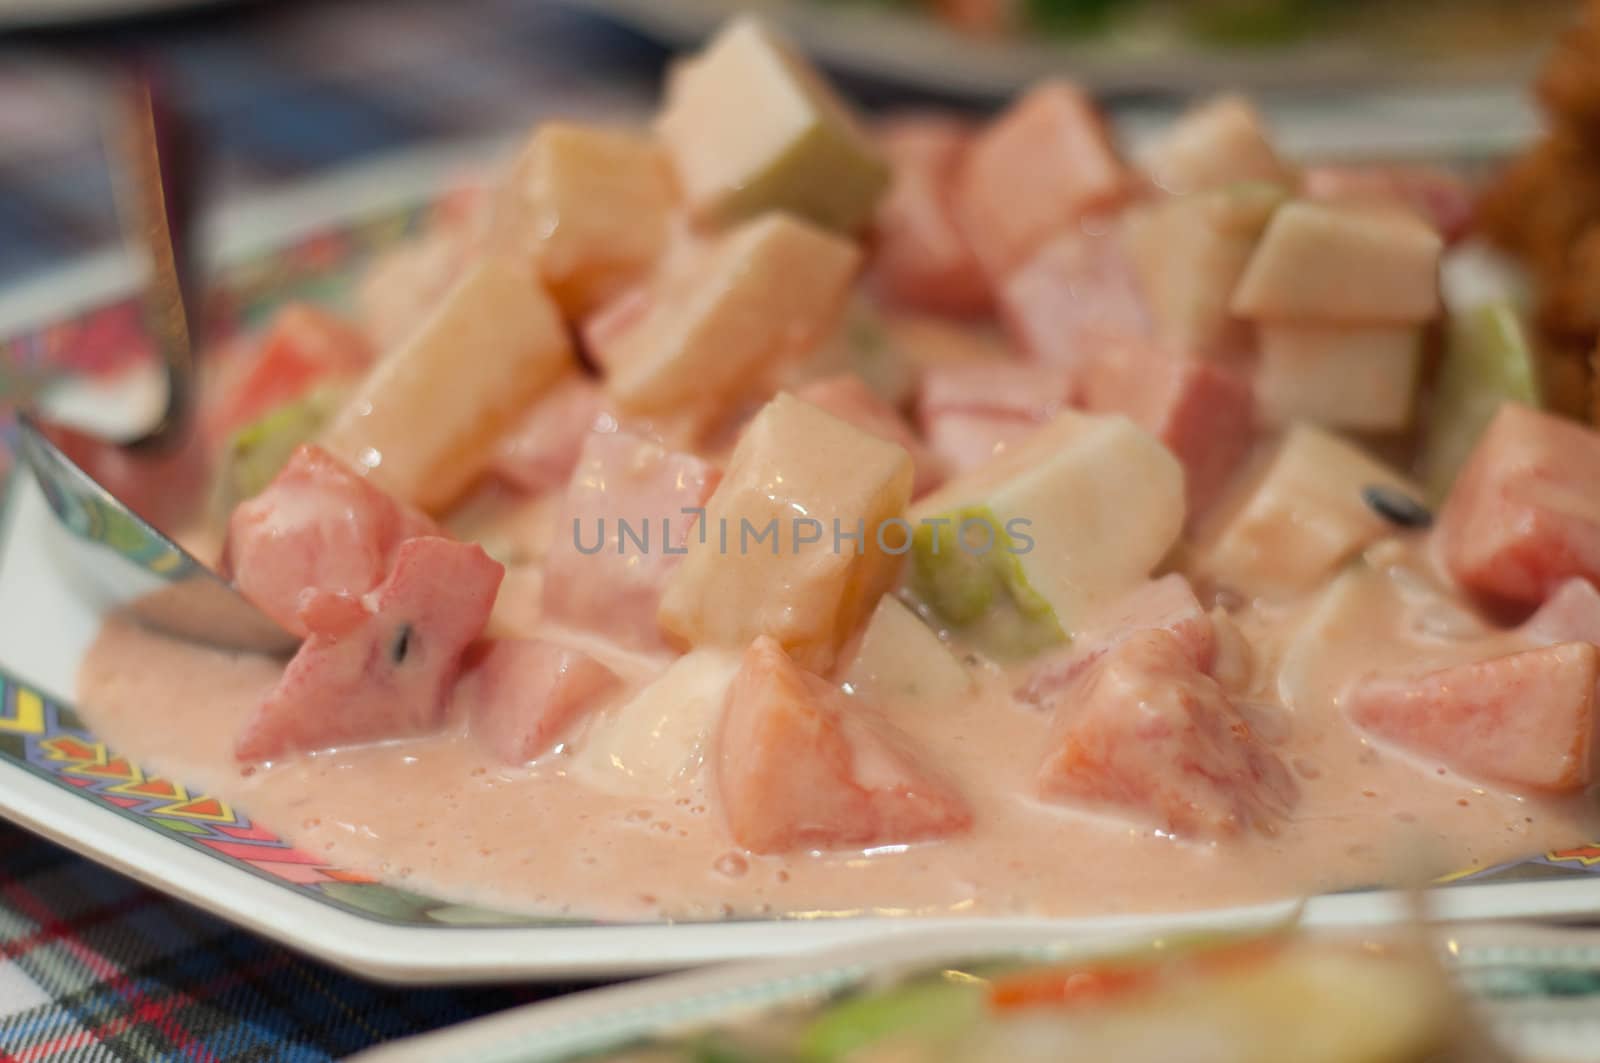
{"x":769,"y":511}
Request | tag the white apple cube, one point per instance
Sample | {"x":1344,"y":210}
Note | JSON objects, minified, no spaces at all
{"x":752,"y":127}
{"x":1342,"y":263}
{"x":1221,"y":142}
{"x":1188,"y":254}
{"x":424,"y":423}
{"x":1090,"y":504}
{"x":1361,"y":378}
{"x":722,"y":323}
{"x":591,"y":206}
{"x":772,"y":557}
{"x":1298,"y":516}
{"x":901,"y":658}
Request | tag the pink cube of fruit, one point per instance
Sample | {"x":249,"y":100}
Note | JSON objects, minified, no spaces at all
{"x":1166,"y":604}
{"x":801,"y":765}
{"x":541,"y":450}
{"x":523,"y":695}
{"x":1078,"y":293}
{"x":1525,"y":719}
{"x":317,"y":526}
{"x":1203,"y":411}
{"x":849,"y":398}
{"x":1443,"y":198}
{"x":303,"y":347}
{"x":1038,"y":168}
{"x":379,"y":665}
{"x":1523,"y":516}
{"x":921,"y":258}
{"x":621,"y":532}
{"x":1145,"y":734}
{"x":964,"y":441}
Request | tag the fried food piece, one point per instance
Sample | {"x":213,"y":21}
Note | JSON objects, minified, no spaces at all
{"x":1569,"y":86}
{"x":1571,"y":304}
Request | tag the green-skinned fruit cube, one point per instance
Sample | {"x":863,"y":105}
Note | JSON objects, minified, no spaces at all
{"x":1088,"y":506}
{"x":965,"y":568}
{"x":751,"y":127}
{"x":255,"y":453}
{"x":1488,"y":361}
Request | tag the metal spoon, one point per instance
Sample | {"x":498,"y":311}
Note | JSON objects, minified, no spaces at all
{"x":127,"y":557}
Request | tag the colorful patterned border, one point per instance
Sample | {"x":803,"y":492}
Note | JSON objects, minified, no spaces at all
{"x":50,"y":739}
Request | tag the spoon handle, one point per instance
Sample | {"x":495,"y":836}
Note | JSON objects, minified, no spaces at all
{"x":158,"y":214}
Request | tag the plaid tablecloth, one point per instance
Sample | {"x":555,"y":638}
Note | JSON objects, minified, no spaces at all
{"x":92,"y":965}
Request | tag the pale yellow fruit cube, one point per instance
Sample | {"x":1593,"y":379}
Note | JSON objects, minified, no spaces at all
{"x":1297,"y":515}
{"x":1221,"y":142}
{"x":1091,"y":505}
{"x":591,"y":206}
{"x":753,"y":127}
{"x":1188,"y":254}
{"x":722,"y":323}
{"x":424,"y":422}
{"x":901,"y":658}
{"x":1342,"y":263}
{"x":798,"y":541}
{"x":1358,"y":377}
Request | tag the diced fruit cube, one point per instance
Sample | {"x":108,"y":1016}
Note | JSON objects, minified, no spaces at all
{"x":1030,"y":393}
{"x":256,"y":452}
{"x":303,"y":347}
{"x":589,"y":207}
{"x":1523,"y":516}
{"x":1091,"y":505}
{"x":1571,"y":614}
{"x":1039,"y":167}
{"x":1063,"y":304}
{"x":965,"y":441}
{"x":966,"y":570}
{"x":721,"y":325}
{"x":1298,"y":517}
{"x":1188,"y":254}
{"x":862,"y":343}
{"x":1526,"y":719}
{"x":423,"y":424}
{"x":1202,"y":412}
{"x":1167,"y":604}
{"x":1488,"y":360}
{"x":621,"y":534}
{"x":1347,"y":263}
{"x":403,"y":287}
{"x":1220,"y":142}
{"x":801,"y":765}
{"x":381,"y":665}
{"x":774,"y":559}
{"x":524,"y":695}
{"x":752,"y":128}
{"x":901,"y":658}
{"x":1443,"y":198}
{"x":1357,"y":377}
{"x":921,"y":258}
{"x":1145,"y":734}
{"x":661,"y":738}
{"x":541,"y":450}
{"x":317,"y":526}
{"x":848,"y":398}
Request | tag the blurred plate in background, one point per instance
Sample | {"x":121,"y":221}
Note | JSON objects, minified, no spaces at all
{"x":1402,"y":42}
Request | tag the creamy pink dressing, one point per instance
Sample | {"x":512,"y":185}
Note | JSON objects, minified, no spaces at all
{"x":438,"y":815}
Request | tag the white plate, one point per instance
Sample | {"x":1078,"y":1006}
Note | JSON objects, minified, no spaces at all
{"x":59,"y":780}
